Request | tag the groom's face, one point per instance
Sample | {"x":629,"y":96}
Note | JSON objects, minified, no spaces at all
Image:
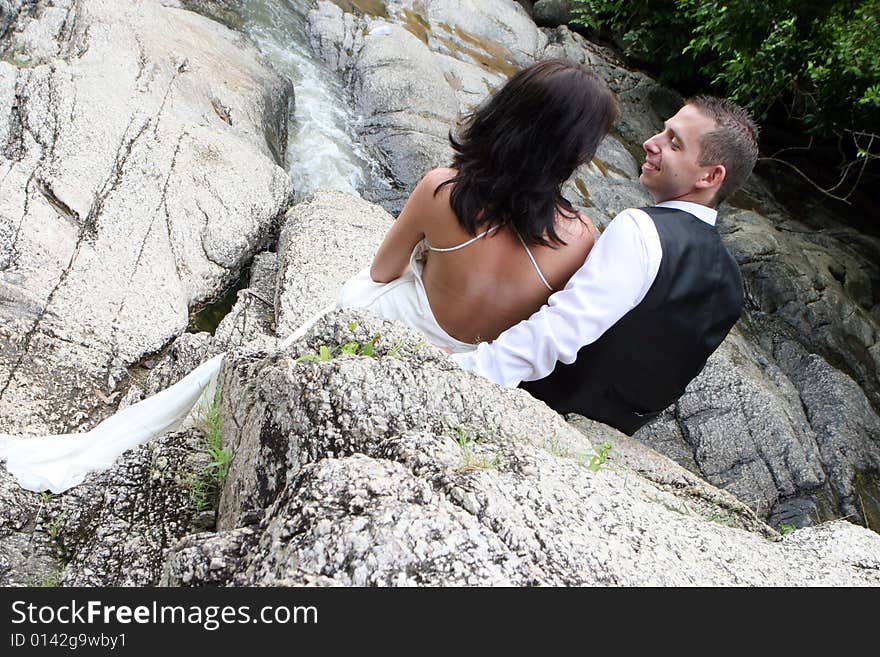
{"x":671,"y":169}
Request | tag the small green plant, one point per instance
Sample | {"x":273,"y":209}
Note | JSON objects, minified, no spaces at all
{"x":351,"y":348}
{"x":55,"y":525}
{"x":598,"y":460}
{"x":785,"y":529}
{"x":206,"y":487}
{"x":200,"y":494}
{"x":465,"y":443}
{"x":220,"y":456}
{"x":354,"y":348}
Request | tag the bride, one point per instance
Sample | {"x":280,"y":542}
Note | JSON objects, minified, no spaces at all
{"x":477,"y":248}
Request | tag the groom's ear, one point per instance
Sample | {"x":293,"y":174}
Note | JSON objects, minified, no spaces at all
{"x":712,"y":177}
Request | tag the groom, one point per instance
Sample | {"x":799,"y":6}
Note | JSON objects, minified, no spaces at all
{"x":657,"y":294}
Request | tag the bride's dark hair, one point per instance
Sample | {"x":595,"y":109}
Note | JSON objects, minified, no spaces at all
{"x":518,"y":148}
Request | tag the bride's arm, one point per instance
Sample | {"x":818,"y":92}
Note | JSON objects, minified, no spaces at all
{"x":392,"y":258}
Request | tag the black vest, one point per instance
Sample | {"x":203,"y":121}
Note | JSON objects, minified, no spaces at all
{"x":643,"y":363}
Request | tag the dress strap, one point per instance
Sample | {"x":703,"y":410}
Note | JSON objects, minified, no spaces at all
{"x":461,"y":246}
{"x":534,"y":263}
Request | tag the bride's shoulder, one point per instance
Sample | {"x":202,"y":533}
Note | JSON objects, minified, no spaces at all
{"x":436,"y":177}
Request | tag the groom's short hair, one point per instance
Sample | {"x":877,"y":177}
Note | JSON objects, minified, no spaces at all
{"x":733,"y":143}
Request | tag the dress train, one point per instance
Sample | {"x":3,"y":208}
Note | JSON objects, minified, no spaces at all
{"x":59,"y":462}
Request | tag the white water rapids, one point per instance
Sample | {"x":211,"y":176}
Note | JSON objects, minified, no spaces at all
{"x":322,"y":150}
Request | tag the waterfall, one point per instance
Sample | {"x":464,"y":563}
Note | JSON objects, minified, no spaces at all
{"x":323,"y":151}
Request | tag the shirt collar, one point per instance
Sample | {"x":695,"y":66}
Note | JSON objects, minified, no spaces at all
{"x":701,"y":212}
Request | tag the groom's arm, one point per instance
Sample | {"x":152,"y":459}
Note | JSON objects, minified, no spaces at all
{"x":614,"y":279}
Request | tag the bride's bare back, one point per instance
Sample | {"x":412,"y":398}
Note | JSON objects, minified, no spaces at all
{"x":478,"y":291}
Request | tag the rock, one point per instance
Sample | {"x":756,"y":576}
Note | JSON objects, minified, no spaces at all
{"x":183,"y":355}
{"x":227,"y":12}
{"x":137,"y":178}
{"x":116,"y":527}
{"x":714,"y":503}
{"x":415,"y":67}
{"x":8,"y":13}
{"x":816,"y":283}
{"x":741,"y":422}
{"x":470,"y":83}
{"x":335,"y":36}
{"x":28,"y":555}
{"x":400,"y":469}
{"x":645,"y":104}
{"x":407,"y":116}
{"x":608,"y":184}
{"x":552,"y":13}
{"x":495,"y":34}
{"x":325,"y":241}
{"x":528,"y":5}
{"x":845,"y":425}
{"x":796,"y":434}
{"x":112,"y":530}
{"x":253,"y":315}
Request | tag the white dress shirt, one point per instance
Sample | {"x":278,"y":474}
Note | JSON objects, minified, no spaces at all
{"x":613,"y":280}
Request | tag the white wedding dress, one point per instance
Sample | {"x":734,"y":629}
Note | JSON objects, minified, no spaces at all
{"x":57,"y":463}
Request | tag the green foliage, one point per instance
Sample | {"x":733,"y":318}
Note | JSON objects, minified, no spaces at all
{"x":352,"y":348}
{"x":818,"y":62}
{"x":646,"y":30}
{"x":785,"y":530}
{"x":597,"y":461}
{"x":55,"y":525}
{"x":206,"y":487}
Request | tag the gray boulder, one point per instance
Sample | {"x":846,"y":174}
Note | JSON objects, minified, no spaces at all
{"x":326,"y":239}
{"x":112,"y":530}
{"x":227,"y":12}
{"x":552,"y":13}
{"x":116,"y":527}
{"x":137,"y":178}
{"x":28,"y":555}
{"x":8,"y":14}
{"x":252,"y":317}
{"x":399,"y":469}
{"x":155,"y":374}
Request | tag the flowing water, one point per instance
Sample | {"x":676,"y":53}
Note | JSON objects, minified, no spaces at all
{"x":322,"y":150}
